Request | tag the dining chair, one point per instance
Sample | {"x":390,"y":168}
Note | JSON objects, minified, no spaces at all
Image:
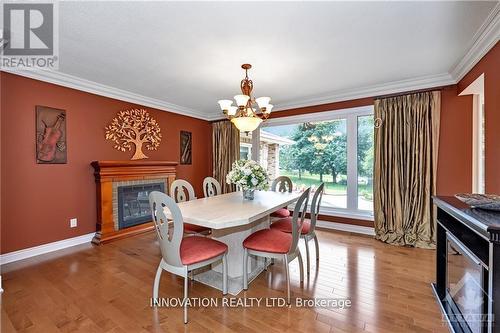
{"x":274,"y":244}
{"x":181,"y":190}
{"x":211,"y":187}
{"x":309,"y":229}
{"x":282,"y":184}
{"x":181,"y":255}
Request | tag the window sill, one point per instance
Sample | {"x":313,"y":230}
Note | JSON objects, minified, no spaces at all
{"x":357,"y":215}
{"x":342,"y":213}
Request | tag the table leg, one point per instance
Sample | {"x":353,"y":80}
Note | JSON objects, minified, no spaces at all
{"x":234,"y":238}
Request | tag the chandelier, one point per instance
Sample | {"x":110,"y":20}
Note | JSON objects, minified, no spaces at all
{"x":244,"y":115}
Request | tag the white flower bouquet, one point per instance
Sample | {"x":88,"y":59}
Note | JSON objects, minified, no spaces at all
{"x":248,"y":175}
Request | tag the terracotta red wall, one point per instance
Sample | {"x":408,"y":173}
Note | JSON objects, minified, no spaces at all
{"x":38,"y":200}
{"x":454,"y":173}
{"x":455,"y":154}
{"x":490,"y":66}
{"x":324,"y":107}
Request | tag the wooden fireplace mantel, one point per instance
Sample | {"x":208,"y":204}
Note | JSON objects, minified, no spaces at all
{"x":108,"y":172}
{"x":127,"y":169}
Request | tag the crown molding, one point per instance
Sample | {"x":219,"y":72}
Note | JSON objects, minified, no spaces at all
{"x":74,"y":82}
{"x":423,"y":82}
{"x":70,"y":81}
{"x":484,"y":39}
{"x":215,"y":116}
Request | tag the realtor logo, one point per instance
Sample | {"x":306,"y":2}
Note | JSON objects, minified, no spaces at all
{"x":29,"y":36}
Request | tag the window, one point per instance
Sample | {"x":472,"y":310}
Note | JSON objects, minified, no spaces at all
{"x":365,"y":162}
{"x":268,"y":145}
{"x":318,"y":154}
{"x":335,"y":148}
{"x":245,"y":146}
{"x":245,"y":151}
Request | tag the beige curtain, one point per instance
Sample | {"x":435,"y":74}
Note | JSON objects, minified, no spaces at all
{"x":406,"y":148}
{"x":226,"y":150}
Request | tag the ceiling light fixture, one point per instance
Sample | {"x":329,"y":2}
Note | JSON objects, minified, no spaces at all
{"x":244,"y":116}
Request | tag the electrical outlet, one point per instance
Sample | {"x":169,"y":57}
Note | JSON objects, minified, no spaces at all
{"x":73,"y":223}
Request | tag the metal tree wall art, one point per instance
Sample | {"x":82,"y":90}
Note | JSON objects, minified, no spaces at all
{"x":135,"y":127}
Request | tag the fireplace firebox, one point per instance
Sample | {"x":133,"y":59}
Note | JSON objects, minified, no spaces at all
{"x":133,"y":204}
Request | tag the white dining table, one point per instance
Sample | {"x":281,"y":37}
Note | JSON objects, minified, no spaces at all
{"x":232,"y":219}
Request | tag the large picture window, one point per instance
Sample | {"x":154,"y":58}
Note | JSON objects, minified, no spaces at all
{"x":335,"y":148}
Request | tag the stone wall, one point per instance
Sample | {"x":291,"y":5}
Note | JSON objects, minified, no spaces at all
{"x":273,"y":160}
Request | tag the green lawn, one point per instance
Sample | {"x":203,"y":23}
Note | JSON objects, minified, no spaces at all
{"x":330,"y":188}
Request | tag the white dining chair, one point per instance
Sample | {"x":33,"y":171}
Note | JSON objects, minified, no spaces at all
{"x":274,"y":244}
{"x":181,"y":190}
{"x":181,"y":255}
{"x":282,"y":184}
{"x":309,"y":229}
{"x":211,"y":187}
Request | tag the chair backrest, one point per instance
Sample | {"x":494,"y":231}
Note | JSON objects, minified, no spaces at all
{"x":170,"y":238}
{"x":182,"y":191}
{"x":211,"y":187}
{"x":299,"y":213}
{"x":315,"y":204}
{"x":282,"y":184}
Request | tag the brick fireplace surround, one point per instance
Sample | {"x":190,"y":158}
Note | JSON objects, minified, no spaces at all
{"x":111,"y":174}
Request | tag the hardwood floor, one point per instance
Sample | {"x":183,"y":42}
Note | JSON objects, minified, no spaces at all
{"x":108,"y":289}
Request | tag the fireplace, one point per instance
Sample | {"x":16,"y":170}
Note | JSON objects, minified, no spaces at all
{"x":467,"y":278}
{"x":123,"y":188}
{"x":133,"y":204}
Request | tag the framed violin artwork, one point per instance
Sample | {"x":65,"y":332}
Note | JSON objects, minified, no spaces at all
{"x":186,"y":138}
{"x":50,"y":136}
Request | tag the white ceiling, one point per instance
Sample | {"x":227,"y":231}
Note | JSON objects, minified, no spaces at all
{"x":189,"y":54}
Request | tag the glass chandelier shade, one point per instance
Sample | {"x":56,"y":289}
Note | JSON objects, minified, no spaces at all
{"x":246,"y":124}
{"x":268,"y":108}
{"x":241,"y":100}
{"x":263,"y":102}
{"x":232,"y":110}
{"x":225,"y":104}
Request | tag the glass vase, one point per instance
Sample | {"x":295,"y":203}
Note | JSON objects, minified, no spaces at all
{"x":248,"y":194}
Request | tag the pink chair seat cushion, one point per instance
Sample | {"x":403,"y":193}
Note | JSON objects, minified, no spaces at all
{"x":194,"y":229}
{"x":285,"y":225}
{"x":282,"y":212}
{"x":196,"y":249}
{"x":269,"y":240}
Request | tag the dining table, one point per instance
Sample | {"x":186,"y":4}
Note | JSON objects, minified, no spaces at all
{"x":232,"y":219}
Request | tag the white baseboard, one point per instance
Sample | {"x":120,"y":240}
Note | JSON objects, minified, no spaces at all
{"x":346,"y":227}
{"x":45,"y":248}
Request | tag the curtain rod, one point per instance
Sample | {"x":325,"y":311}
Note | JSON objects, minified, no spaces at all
{"x":409,"y":92}
{"x":218,"y":120}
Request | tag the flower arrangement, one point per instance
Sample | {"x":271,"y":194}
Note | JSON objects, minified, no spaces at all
{"x":248,"y":175}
